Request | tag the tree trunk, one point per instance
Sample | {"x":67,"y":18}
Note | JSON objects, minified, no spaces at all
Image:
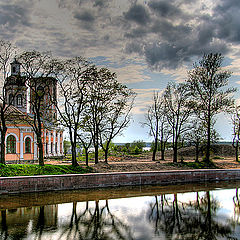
{"x":106,"y":155}
{"x":86,"y":156}
{"x":96,"y":153}
{"x":236,"y":150}
{"x":40,"y":152}
{"x":155,"y":149}
{"x":197,"y":152}
{"x":208,"y":138}
{"x":74,"y":155}
{"x":162,"y":154}
{"x":95,"y":142}
{"x":3,"y":147}
{"x":106,"y":152}
{"x":163,"y":147}
{"x":175,"y":152}
{"x":156,"y":142}
{"x":3,"y":136}
{"x":74,"y":147}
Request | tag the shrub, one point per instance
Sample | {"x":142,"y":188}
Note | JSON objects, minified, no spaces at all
{"x":137,"y":150}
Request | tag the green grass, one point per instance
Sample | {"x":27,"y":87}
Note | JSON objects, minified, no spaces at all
{"x":11,"y":170}
{"x":218,"y":157}
{"x":200,"y":165}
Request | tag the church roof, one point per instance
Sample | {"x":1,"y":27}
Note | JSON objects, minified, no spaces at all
{"x":15,"y":115}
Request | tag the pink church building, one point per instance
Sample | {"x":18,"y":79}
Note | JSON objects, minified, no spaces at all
{"x":20,"y":141}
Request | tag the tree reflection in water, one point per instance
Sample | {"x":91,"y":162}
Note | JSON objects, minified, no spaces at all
{"x":4,"y":230}
{"x":168,"y":216}
{"x":236,"y":202}
{"x":95,"y":223}
{"x":40,"y":223}
{"x":192,"y":220}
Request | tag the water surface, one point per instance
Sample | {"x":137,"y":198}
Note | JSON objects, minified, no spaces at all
{"x":200,"y":211}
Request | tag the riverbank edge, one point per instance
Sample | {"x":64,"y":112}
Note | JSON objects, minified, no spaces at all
{"x":28,"y":184}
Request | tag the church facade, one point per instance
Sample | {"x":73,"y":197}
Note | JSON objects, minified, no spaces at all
{"x":20,"y":140}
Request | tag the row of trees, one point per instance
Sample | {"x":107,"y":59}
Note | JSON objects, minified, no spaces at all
{"x":91,"y":104}
{"x":187,"y":111}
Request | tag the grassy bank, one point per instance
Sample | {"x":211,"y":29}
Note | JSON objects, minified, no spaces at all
{"x":11,"y":170}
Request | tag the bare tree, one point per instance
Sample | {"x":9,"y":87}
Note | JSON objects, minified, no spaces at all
{"x":7,"y":51}
{"x":86,"y":142}
{"x":196,"y":136}
{"x":72,"y":79}
{"x":156,"y":121}
{"x":176,"y":97}
{"x":236,"y":131}
{"x":117,"y":117}
{"x":38,"y":79}
{"x":108,"y":109}
{"x":207,"y":84}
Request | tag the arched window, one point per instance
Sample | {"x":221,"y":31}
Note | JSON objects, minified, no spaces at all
{"x":28,"y":145}
{"x":11,"y":99}
{"x":11,"y":144}
{"x":19,"y":99}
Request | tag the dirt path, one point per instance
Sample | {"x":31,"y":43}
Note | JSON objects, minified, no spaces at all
{"x":143,"y":162}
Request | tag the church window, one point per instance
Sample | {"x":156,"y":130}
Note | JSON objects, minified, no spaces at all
{"x":19,"y":100}
{"x":28,"y":145}
{"x":11,"y":144}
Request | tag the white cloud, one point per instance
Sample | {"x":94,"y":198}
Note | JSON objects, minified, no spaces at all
{"x":131,"y":74}
{"x":143,"y":100}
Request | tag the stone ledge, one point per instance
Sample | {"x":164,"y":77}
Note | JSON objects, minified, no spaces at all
{"x":24,"y":184}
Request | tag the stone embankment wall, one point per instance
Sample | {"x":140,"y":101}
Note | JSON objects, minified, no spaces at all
{"x":101,"y":180}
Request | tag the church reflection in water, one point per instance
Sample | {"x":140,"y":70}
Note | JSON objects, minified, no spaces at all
{"x":151,"y":212}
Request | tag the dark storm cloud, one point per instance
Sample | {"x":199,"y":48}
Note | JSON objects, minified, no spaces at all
{"x":163,"y":55}
{"x":170,"y":56}
{"x":85,"y":19}
{"x":226,"y":19}
{"x":13,"y":20}
{"x":100,"y":3}
{"x":85,"y":16}
{"x":14,"y":15}
{"x":138,"y":14}
{"x":135,"y":47}
{"x":170,"y":32}
{"x":177,"y":36}
{"x":137,"y":33}
{"x":165,"y":9}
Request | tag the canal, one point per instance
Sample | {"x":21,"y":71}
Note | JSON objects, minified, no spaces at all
{"x":190,"y":211}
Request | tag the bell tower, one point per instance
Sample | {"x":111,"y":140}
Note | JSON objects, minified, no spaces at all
{"x":15,"y":68}
{"x":15,"y":87}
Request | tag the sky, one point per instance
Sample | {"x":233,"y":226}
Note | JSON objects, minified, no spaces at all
{"x":146,"y":42}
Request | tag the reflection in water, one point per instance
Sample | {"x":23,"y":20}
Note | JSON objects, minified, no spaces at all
{"x":95,"y":223}
{"x":194,"y":219}
{"x":22,"y":222}
{"x":207,"y":214}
